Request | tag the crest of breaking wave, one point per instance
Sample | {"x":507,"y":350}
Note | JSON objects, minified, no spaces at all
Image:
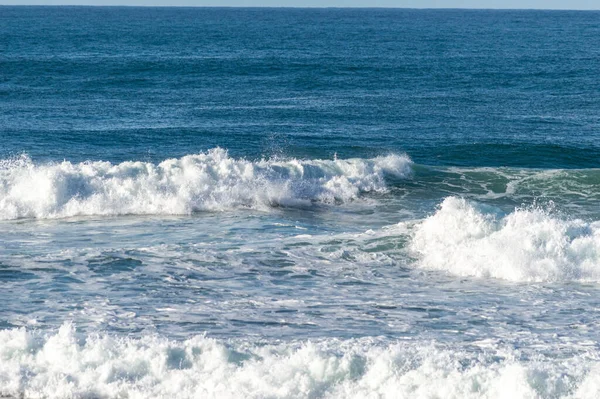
{"x":61,"y":365}
{"x":528,"y":244}
{"x":207,"y":181}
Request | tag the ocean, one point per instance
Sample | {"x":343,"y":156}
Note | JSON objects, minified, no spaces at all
{"x":299,"y":203}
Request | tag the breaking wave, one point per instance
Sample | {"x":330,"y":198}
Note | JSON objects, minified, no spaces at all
{"x":206,"y":181}
{"x":60,"y":365}
{"x":532,"y":244}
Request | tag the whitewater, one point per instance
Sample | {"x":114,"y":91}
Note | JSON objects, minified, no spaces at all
{"x":171,"y":253}
{"x":58,"y":367}
{"x":208,"y":181}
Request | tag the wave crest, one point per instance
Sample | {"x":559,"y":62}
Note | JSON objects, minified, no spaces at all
{"x":206,"y":181}
{"x":525,"y":245}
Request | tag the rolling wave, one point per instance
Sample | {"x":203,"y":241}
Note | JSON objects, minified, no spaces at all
{"x":206,"y":181}
{"x":214,"y":181}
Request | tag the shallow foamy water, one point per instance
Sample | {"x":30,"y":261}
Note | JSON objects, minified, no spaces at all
{"x":387,"y":291}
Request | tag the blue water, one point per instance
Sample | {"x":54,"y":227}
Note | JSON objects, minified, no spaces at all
{"x":301,"y":203}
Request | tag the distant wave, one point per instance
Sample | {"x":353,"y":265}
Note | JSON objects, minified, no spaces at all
{"x":464,"y":238}
{"x":60,"y":365}
{"x":206,"y":181}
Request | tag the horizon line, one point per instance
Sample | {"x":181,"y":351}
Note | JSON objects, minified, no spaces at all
{"x":298,"y":7}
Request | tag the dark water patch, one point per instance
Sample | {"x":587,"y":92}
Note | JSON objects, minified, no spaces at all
{"x":108,"y":265}
{"x":8,"y":274}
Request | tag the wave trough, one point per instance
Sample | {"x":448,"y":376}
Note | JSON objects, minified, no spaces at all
{"x":206,"y":181}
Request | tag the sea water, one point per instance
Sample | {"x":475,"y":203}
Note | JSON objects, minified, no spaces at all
{"x":295,"y":203}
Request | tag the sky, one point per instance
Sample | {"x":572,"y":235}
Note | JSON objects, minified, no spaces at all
{"x":511,"y":4}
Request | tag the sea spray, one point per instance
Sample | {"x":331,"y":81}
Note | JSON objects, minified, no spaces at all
{"x":207,"y":181}
{"x":525,"y":245}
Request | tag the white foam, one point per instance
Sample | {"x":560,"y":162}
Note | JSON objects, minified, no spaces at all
{"x":206,"y":181}
{"x":525,"y":245}
{"x":59,"y":366}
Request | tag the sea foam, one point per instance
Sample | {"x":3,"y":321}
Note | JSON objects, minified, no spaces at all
{"x":206,"y":181}
{"x":532,"y":244}
{"x":59,"y":365}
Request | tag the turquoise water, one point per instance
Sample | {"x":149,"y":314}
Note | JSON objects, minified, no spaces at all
{"x":290,"y":203}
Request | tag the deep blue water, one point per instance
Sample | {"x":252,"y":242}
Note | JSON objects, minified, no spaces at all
{"x":452,"y":87}
{"x":305,"y":203}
